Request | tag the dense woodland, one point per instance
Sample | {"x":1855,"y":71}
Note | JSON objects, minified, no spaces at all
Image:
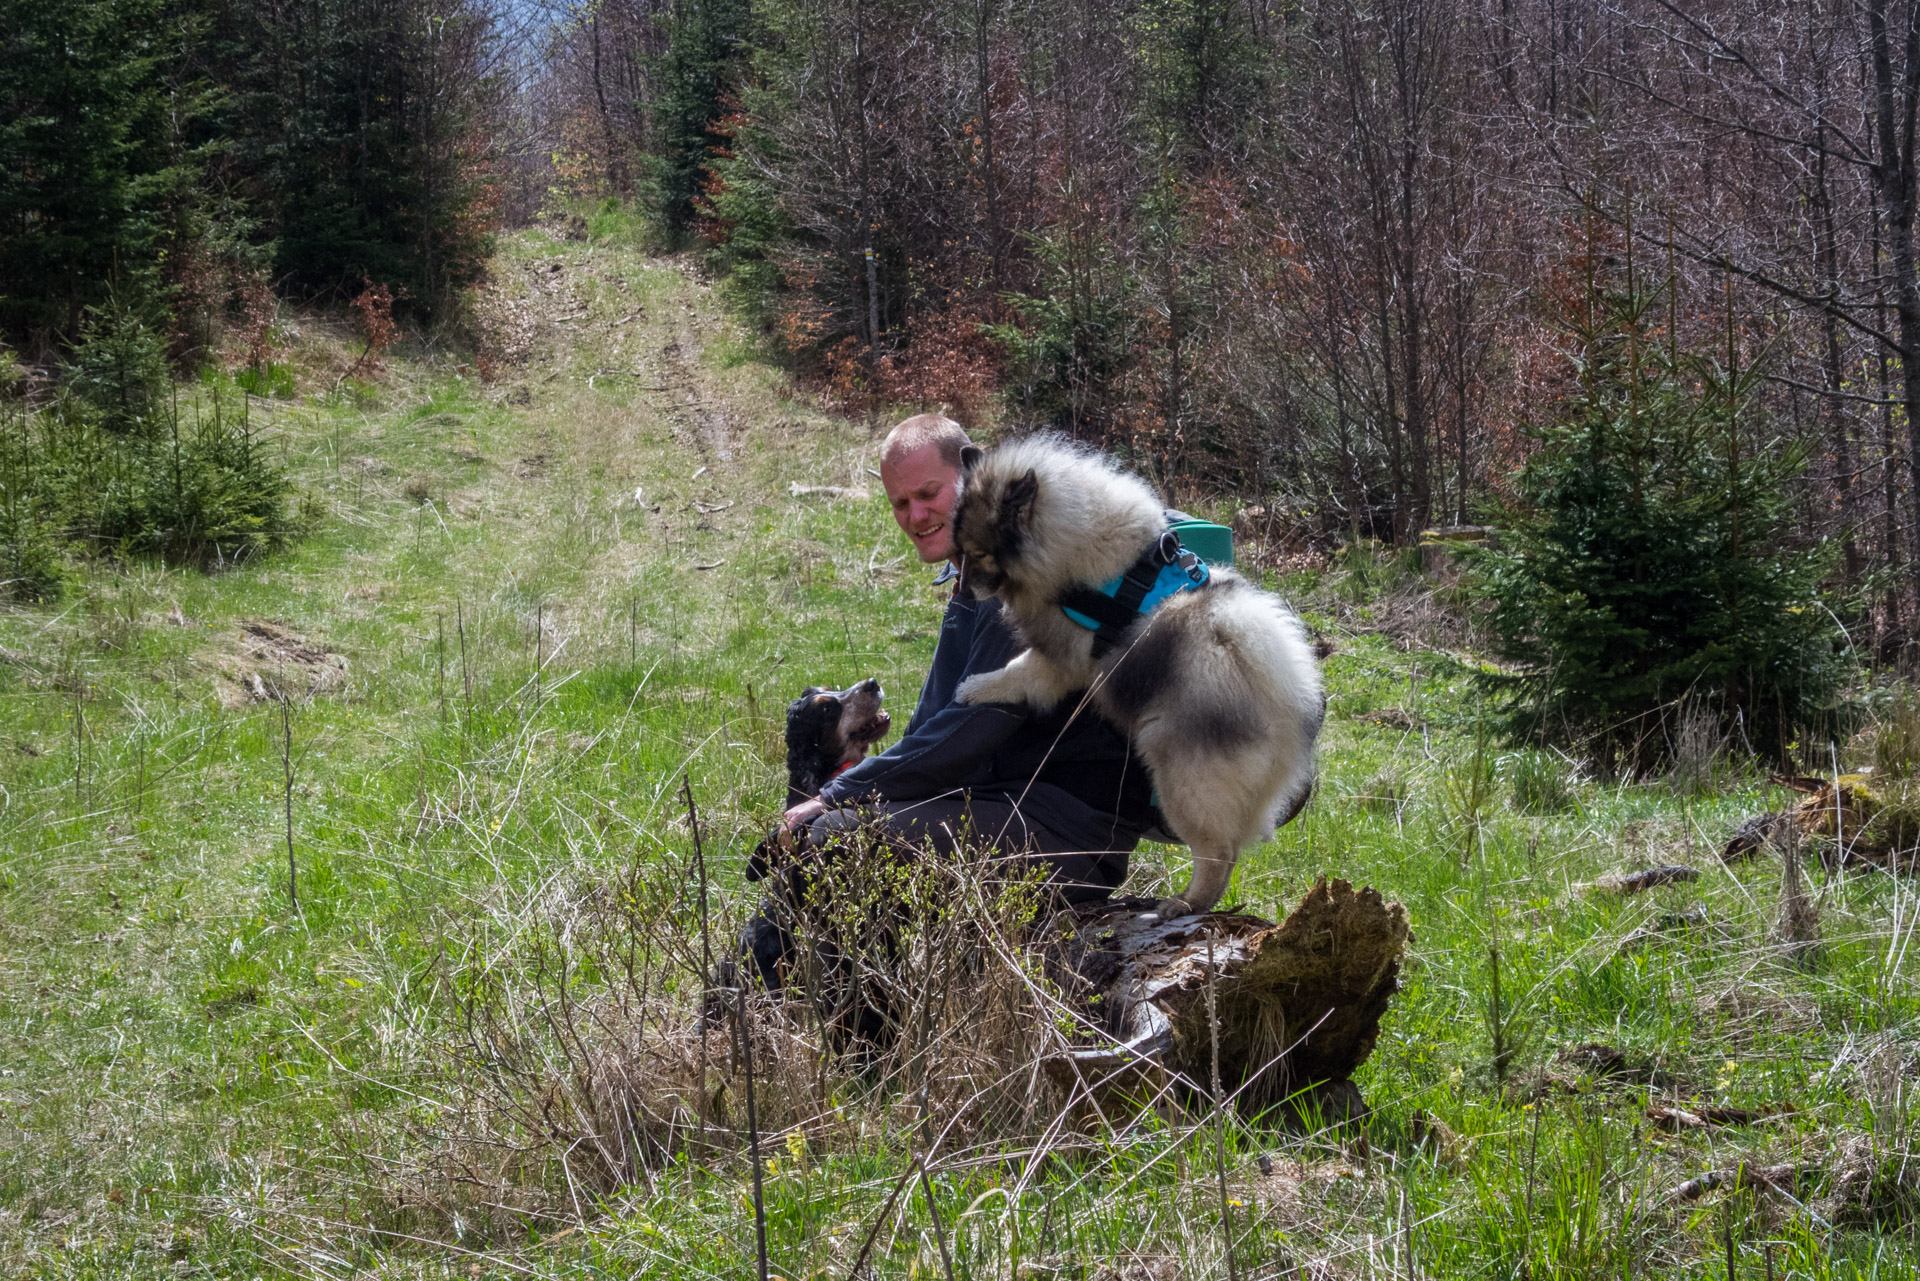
{"x":1372,"y":265}
{"x":1339,"y":251}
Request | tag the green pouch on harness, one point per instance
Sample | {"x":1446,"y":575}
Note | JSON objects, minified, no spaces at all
{"x":1210,"y":542}
{"x":1179,"y":562}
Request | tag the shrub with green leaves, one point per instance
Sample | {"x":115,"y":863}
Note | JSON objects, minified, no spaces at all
{"x":1649,"y":555}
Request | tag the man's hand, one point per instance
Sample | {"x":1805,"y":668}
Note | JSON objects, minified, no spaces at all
{"x":799,"y":816}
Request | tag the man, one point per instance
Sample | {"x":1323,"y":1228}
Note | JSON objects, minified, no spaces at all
{"x":1059,"y":788}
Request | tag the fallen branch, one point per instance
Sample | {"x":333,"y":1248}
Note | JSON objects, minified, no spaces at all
{"x":1772,"y":1178}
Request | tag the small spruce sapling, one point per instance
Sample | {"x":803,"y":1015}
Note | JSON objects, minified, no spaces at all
{"x":1650,"y":552}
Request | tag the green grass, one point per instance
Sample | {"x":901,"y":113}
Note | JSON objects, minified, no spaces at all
{"x":196,"y":1080}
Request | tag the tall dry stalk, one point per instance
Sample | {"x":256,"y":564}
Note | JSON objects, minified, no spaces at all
{"x":466,"y":677}
{"x":1796,"y":926}
{"x":79,"y":743}
{"x":745,"y":1035}
{"x":539,"y":650}
{"x":1219,"y":1114}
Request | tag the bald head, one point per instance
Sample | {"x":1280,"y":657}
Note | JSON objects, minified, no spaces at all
{"x":920,"y":470}
{"x":925,"y":431}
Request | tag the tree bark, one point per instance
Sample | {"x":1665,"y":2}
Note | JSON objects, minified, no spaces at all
{"x":1894,"y":176}
{"x":1828,"y":264}
{"x":616,"y":167}
{"x":986,"y":146}
{"x":1299,"y":1002}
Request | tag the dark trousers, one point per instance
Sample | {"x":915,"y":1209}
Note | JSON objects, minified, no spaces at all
{"x":934,"y":828}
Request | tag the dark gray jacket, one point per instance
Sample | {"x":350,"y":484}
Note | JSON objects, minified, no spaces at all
{"x":1073,"y":774}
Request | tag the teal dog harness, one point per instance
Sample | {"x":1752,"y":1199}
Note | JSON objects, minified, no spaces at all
{"x":1165,"y":569}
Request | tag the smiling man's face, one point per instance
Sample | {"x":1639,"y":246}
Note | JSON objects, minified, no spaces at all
{"x":922,"y":487}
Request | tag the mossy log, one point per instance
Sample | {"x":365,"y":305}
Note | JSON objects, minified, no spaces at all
{"x":1299,"y":1002}
{"x":1855,"y":819}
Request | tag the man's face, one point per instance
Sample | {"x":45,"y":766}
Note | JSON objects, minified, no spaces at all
{"x":922,"y":487}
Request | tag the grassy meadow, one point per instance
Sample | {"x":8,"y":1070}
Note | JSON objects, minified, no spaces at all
{"x":523,"y":612}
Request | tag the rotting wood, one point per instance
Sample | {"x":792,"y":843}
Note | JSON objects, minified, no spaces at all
{"x":1704,"y":1116}
{"x":1853,"y":820}
{"x":1300,"y":1001}
{"x":1646,"y":878}
{"x":1772,"y":1178}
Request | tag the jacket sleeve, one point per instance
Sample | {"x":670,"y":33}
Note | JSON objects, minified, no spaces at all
{"x":947,"y":748}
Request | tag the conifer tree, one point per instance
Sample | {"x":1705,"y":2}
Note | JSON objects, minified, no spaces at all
{"x":1650,"y":554}
{"x":83,"y":122}
{"x":706,"y":50}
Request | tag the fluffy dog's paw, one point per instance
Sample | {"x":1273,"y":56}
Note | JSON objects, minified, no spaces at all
{"x":988,"y":687}
{"x":1169,"y":908}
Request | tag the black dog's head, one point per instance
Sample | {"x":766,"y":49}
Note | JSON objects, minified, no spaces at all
{"x":828,"y":730}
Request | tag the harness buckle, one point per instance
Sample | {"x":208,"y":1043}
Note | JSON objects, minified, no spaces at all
{"x":1190,"y":564}
{"x":1169,"y":549}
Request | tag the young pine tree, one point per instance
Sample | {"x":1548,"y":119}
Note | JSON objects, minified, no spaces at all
{"x":705,"y":57}
{"x":1649,"y":555}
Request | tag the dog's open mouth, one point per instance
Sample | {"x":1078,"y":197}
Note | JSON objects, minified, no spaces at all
{"x":870,"y":731}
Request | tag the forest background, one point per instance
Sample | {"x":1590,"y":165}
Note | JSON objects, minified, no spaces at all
{"x":1325,"y":252}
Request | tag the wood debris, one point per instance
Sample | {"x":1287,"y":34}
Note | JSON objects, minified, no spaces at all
{"x":1856,"y":819}
{"x":1628,"y":883}
{"x":1697,"y":1116}
{"x":1771,"y":1178}
{"x":1299,"y":1002}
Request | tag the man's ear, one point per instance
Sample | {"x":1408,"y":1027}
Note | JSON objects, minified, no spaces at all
{"x":1016,"y":503}
{"x":970,"y":456}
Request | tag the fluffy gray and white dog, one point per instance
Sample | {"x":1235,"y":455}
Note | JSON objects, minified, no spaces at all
{"x":1217,"y":686}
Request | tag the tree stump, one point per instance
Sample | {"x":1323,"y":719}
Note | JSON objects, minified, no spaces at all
{"x":1299,"y":1002}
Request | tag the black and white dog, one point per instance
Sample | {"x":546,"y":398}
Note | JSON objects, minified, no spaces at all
{"x":1211,"y":678}
{"x":828,"y":731}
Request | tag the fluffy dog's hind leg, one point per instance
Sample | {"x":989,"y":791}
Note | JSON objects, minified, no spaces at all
{"x":1029,"y":677}
{"x":1209,"y":800}
{"x":1212,"y":869}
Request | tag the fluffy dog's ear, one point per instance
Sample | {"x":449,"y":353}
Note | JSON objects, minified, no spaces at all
{"x":1016,"y":501}
{"x":970,"y":456}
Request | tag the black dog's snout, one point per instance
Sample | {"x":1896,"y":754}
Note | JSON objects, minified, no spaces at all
{"x":869,"y":686}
